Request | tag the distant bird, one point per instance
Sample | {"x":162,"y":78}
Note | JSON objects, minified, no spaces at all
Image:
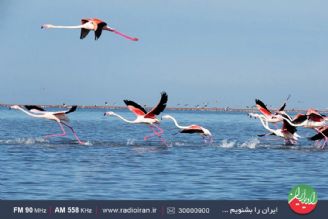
{"x":60,"y":117}
{"x":144,"y":117}
{"x":269,"y":116}
{"x":93,"y":24}
{"x":322,"y":135}
{"x":191,"y":129}
{"x":287,"y":132}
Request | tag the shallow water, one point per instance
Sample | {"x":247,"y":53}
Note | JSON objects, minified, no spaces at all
{"x":116,"y":163}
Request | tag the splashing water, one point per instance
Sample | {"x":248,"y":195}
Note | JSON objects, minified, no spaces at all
{"x":227,"y":144}
{"x":179,"y":143}
{"x":24,"y":141}
{"x":130,"y":141}
{"x":252,"y":143}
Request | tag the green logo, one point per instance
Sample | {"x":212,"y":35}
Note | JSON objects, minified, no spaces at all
{"x":302,"y":199}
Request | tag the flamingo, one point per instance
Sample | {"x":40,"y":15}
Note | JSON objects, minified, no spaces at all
{"x":60,"y":117}
{"x":205,"y":133}
{"x":322,"y":135}
{"x":269,"y":116}
{"x":312,"y":119}
{"x":88,"y":24}
{"x":287,"y":132}
{"x":144,"y":117}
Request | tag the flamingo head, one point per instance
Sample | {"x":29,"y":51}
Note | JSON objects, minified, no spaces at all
{"x":47,"y":26}
{"x":109,"y":113}
{"x":14,"y":107}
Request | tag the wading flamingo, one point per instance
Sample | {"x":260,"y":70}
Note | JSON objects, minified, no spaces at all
{"x":287,"y":132}
{"x":88,"y":24}
{"x":205,"y":133}
{"x":144,"y":117}
{"x":60,"y":117}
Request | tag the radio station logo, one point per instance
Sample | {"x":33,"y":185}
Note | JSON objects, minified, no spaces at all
{"x":302,"y":199}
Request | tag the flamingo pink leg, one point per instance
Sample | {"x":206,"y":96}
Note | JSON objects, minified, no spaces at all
{"x":57,"y":135}
{"x":155,"y":133}
{"x":74,"y":133}
{"x":158,"y":134}
{"x":161,"y":131}
{"x":324,"y":142}
{"x":325,"y":138}
{"x":125,"y":36}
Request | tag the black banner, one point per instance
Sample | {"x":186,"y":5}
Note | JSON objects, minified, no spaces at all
{"x":153,"y":209}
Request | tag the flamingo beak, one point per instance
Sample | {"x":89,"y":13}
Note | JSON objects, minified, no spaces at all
{"x":104,"y":114}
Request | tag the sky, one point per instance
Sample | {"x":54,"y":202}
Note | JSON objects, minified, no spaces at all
{"x":224,"y":53}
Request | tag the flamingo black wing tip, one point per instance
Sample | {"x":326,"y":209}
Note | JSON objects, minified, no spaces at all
{"x":258,"y":101}
{"x":72,"y":109}
{"x":127,"y":102}
{"x":164,"y":95}
{"x":30,"y":107}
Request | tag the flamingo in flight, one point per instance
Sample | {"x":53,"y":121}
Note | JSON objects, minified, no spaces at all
{"x":312,"y":119}
{"x":93,"y":24}
{"x":322,"y":135}
{"x":60,"y":117}
{"x":287,"y":132}
{"x":191,"y":129}
{"x":144,"y":117}
{"x":269,"y":116}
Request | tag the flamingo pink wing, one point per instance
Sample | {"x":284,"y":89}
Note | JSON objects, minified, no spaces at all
{"x":315,"y":117}
{"x":135,"y":108}
{"x":194,"y":127}
{"x":262,"y":107}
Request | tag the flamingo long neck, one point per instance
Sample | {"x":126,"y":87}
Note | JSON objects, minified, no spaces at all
{"x":265,"y":124}
{"x":291,"y":123}
{"x":125,"y":120}
{"x":67,"y":27}
{"x":175,"y":122}
{"x":30,"y":114}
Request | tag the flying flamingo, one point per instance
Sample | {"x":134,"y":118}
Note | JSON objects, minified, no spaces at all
{"x":322,"y":135}
{"x":144,"y":117}
{"x":287,"y":132}
{"x":205,"y":133}
{"x":59,"y":117}
{"x":312,"y":119}
{"x":269,"y":116}
{"x":88,"y":24}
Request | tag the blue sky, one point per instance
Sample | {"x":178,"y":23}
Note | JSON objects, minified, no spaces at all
{"x":226,"y":53}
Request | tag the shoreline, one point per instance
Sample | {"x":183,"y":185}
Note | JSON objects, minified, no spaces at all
{"x":209,"y":109}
